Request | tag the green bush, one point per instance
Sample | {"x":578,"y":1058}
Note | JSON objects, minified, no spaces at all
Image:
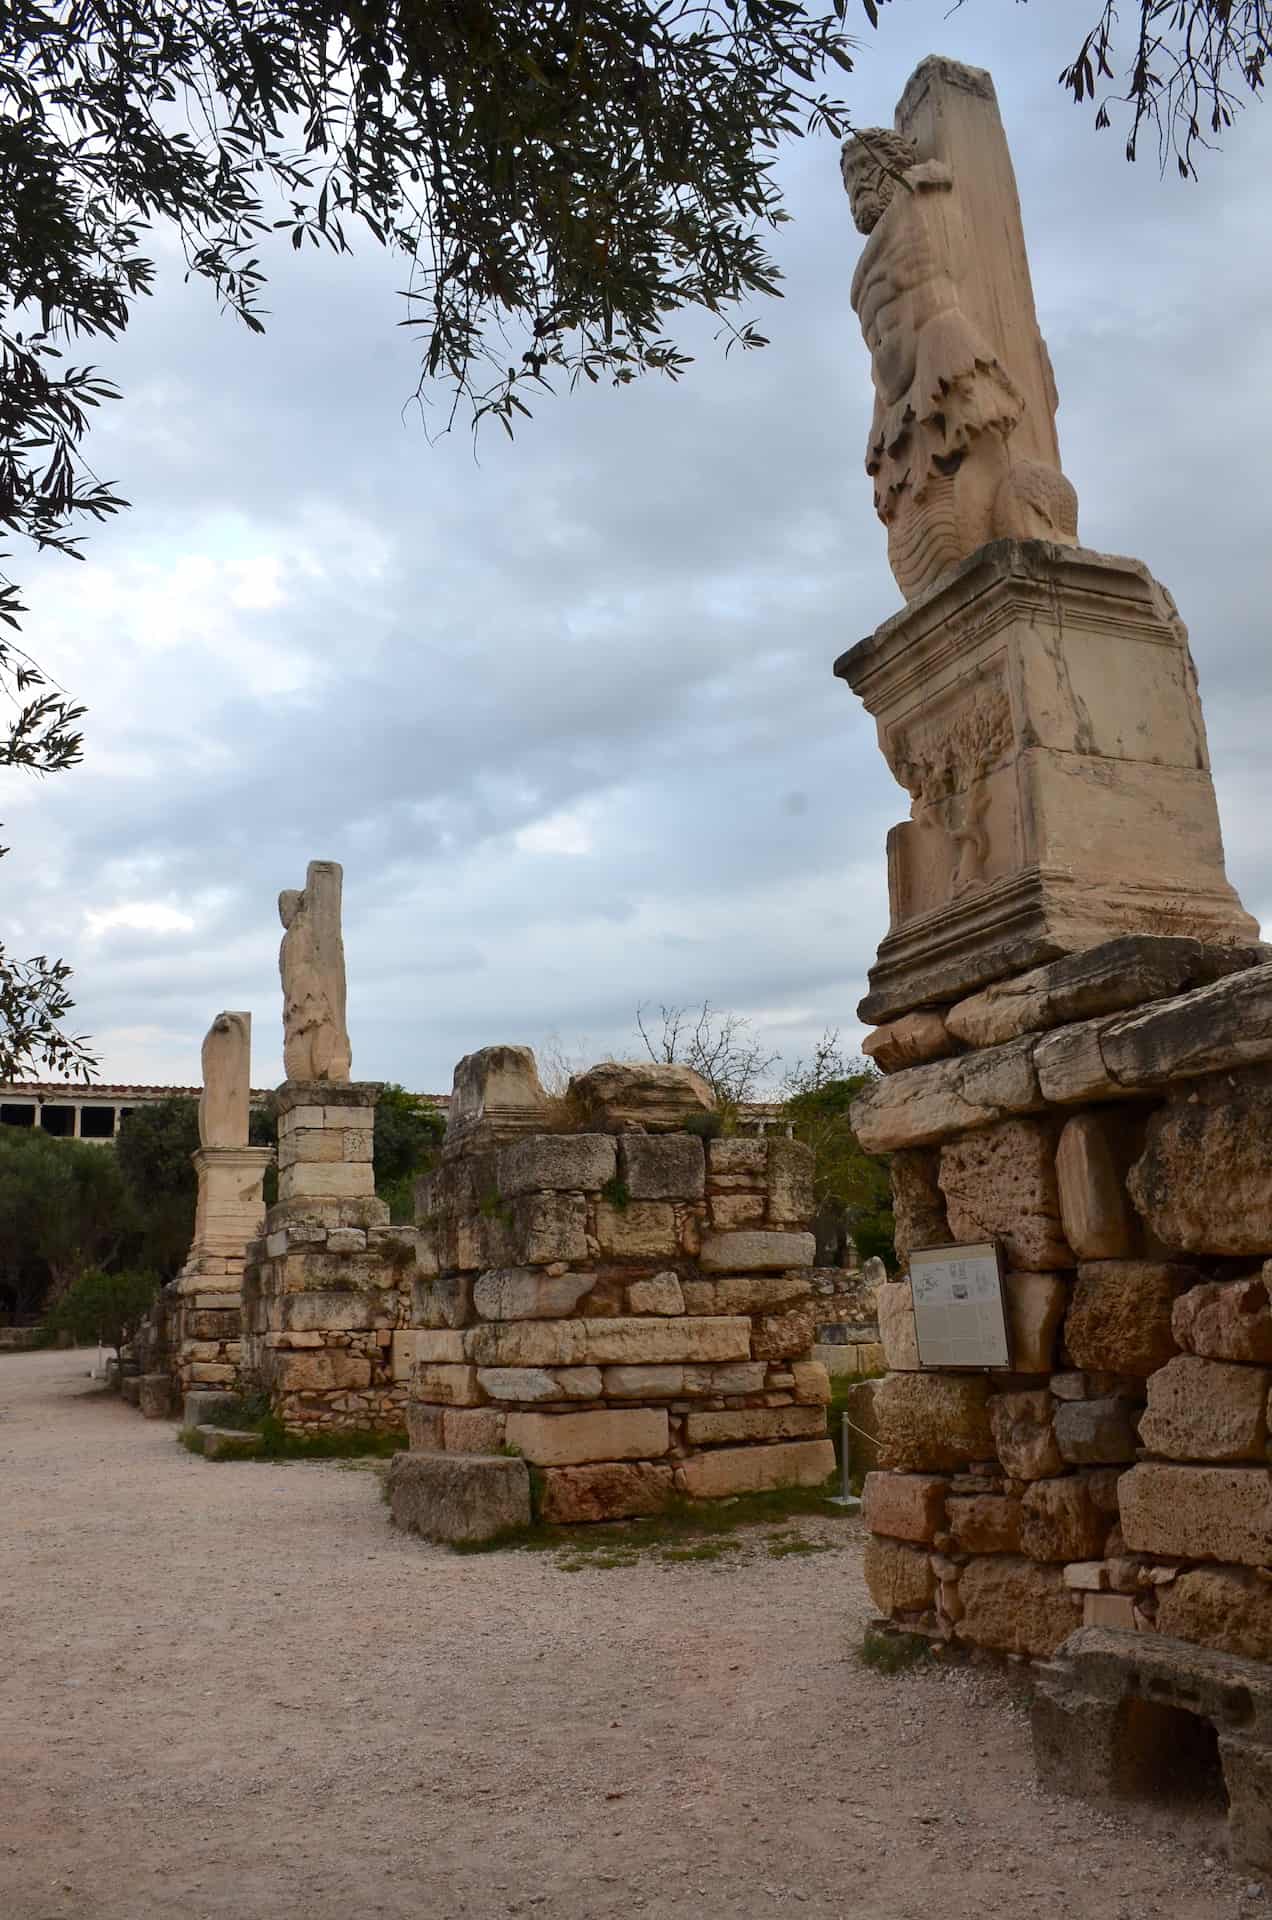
{"x":106,"y":1307}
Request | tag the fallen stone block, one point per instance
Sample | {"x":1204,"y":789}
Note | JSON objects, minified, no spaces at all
{"x":1207,"y":1410}
{"x":574,"y":1439}
{"x":759,"y":1469}
{"x":1198,"y":1513}
{"x":611,"y":1490}
{"x":660,"y":1098}
{"x":905,"y":1506}
{"x":458,"y":1498}
{"x":229,"y":1443}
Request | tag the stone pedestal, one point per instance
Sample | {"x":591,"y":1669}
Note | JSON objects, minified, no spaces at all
{"x":1041,"y":709}
{"x":206,"y":1304}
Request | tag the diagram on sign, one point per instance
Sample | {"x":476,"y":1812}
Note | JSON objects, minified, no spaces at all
{"x":959,"y":1317}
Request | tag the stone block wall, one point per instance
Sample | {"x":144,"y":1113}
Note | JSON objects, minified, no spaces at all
{"x":845,"y":1319}
{"x":1106,"y":1119}
{"x":631,"y":1311}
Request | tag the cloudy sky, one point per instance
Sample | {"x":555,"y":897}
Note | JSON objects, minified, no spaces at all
{"x":564,"y":708}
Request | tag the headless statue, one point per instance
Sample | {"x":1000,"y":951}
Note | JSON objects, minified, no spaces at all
{"x":952,"y":465}
{"x":311,"y":962}
{"x":227,"y":1066}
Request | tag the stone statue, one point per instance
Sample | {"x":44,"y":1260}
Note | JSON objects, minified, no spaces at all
{"x":227,"y":1068}
{"x":311,"y":962}
{"x":962,"y":446}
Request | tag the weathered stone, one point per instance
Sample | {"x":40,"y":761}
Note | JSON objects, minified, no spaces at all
{"x":661,"y":1295}
{"x":1024,"y":1434}
{"x":730,"y":1470}
{"x":753,"y":1423}
{"x":1204,"y":1179}
{"x":644,"y":1383}
{"x":1212,"y":1029}
{"x":198,"y":1407}
{"x":330,"y":1370}
{"x":1092,"y":1161}
{"x":472,"y":1429}
{"x":862,"y":1436}
{"x":918,"y":1205}
{"x":526,"y":1293}
{"x":730,"y":1211}
{"x":984,"y":1522}
{"x":669,"y":1166}
{"x":448,"y":1386}
{"x":458,"y":1497}
{"x":155,"y":1394}
{"x":548,"y":1227}
{"x":747,"y":1293}
{"x":659,"y":1098}
{"x":336,"y":1312}
{"x":923,"y":1106}
{"x":600,"y":1342}
{"x":1035,"y":1304}
{"x":932,"y":1420}
{"x":609,"y":1491}
{"x":743,"y":1253}
{"x":899,"y":1579}
{"x":1198,"y":1513}
{"x":1094,"y":1433}
{"x":557,"y":1162}
{"x":527,"y":1383}
{"x":905,"y":1506}
{"x":1015,"y":1606}
{"x":1226,"y":1320}
{"x":910,"y":1041}
{"x":1060,"y":1521}
{"x":424,"y":1428}
{"x":1225,"y":1607}
{"x":641,"y":1230}
{"x":1120,"y":1318}
{"x":790,"y":1183}
{"x":746,"y":1376}
{"x":782,"y":1336}
{"x":738,"y":1159}
{"x":230,"y":1443}
{"x":1001,"y":1184}
{"x":496,"y":1095}
{"x":1117,"y":974}
{"x":442,"y":1346}
{"x":1207,"y":1410}
{"x":895,"y":1308}
{"x":812,"y":1383}
{"x":1070,"y":1066}
{"x":571,"y":1439}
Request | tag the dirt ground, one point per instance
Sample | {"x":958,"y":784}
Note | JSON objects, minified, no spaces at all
{"x":235,"y":1693}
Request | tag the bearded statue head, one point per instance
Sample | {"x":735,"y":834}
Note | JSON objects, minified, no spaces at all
{"x":872,"y":162}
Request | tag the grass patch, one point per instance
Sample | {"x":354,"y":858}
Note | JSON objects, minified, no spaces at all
{"x":892,"y":1652}
{"x":683,"y":1524}
{"x":253,"y":1415}
{"x":783,"y":1549}
{"x":705,"y":1550}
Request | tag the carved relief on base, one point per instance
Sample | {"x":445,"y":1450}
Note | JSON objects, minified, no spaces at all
{"x":954,"y":760}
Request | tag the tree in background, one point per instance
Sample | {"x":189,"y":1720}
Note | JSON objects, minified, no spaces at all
{"x":64,"y":1208}
{"x":105,"y":1307}
{"x":155,"y":1146}
{"x":721,"y":1047}
{"x":852,"y":1189}
{"x":408,"y":1133}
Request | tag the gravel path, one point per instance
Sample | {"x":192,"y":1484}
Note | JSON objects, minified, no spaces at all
{"x":234,"y":1693}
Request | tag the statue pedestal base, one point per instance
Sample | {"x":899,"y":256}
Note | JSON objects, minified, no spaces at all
{"x":1041,"y":709}
{"x":206,"y":1328}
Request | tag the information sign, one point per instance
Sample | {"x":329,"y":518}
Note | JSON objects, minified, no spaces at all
{"x":959,"y":1316}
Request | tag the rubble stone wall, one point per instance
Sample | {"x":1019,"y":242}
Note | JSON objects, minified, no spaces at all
{"x":1106,"y":1119}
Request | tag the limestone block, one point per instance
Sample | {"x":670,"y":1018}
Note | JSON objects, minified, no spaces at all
{"x":910,"y":1041}
{"x":756,"y":1469}
{"x":429,"y":1345}
{"x":923,"y":1106}
{"x":984,"y":1522}
{"x":230,"y":1443}
{"x":199,"y":1407}
{"x":601,"y":1342}
{"x":741,"y":1253}
{"x":1035,"y":1305}
{"x":203,"y":1325}
{"x":744,"y":1377}
{"x":1015,"y":1606}
{"x":1120,"y":1318}
{"x":335,"y":1312}
{"x":547,"y":1227}
{"x":320,"y":1145}
{"x":730,"y":1211}
{"x":346,"y":1240}
{"x":644,"y":1383}
{"x":1225,"y":1607}
{"x":1060,"y":1521}
{"x":668,"y":1166}
{"x":612,"y":1490}
{"x":1095,"y":1433}
{"x":737,"y":1159}
{"x":458,"y":1497}
{"x":812,"y":1384}
{"x":328,"y":1370}
{"x":790,"y":1183}
{"x":895,"y":1308}
{"x":899,"y":1579}
{"x":442,"y":1300}
{"x":155,"y":1396}
{"x":210,"y":1373}
{"x":424,"y":1427}
{"x":746,"y":1293}
{"x":526,"y":1293}
{"x":905,"y":1506}
{"x":1207,"y":1410}
{"x":496,"y":1094}
{"x":341,"y":1180}
{"x":1204,"y":1180}
{"x":1198,"y":1513}
{"x":1127,"y":972}
{"x":933,"y":1420}
{"x":561,"y":1162}
{"x":1001,"y":1184}
{"x":1211,"y":1029}
{"x":1226,"y":1320}
{"x":571,"y":1439}
{"x":527,"y":1383}
{"x":471,"y":1429}
{"x":642,"y":1230}
{"x":782,"y":1336}
{"x":753,"y":1423}
{"x":1024,"y":1434}
{"x":918,"y":1205}
{"x":1109,"y":1610}
{"x":661,"y":1295}
{"x":1092,"y":1159}
{"x":659,"y":1098}
{"x":1070,"y":1066}
{"x":449,"y":1386}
